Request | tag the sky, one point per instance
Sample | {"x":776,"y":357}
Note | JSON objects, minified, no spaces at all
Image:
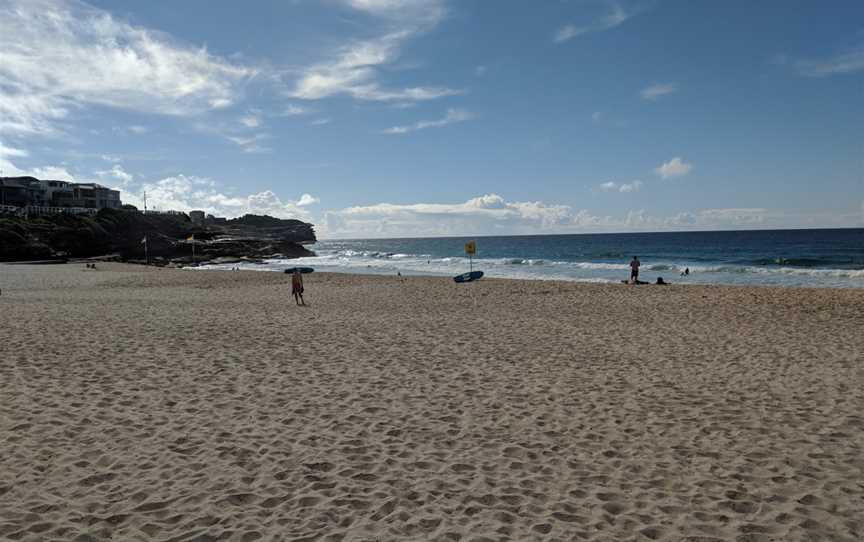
{"x":404,"y":118}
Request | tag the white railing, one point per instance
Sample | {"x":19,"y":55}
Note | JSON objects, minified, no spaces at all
{"x":152,"y":212}
{"x":34,"y":210}
{"x":31,"y":210}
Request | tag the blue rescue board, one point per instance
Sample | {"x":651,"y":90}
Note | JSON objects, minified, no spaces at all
{"x":468,"y":277}
{"x":302,"y":270}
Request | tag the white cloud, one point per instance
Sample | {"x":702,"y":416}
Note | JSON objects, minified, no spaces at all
{"x":415,"y":12}
{"x":492,"y":214}
{"x":9,"y":169}
{"x":850,"y":61}
{"x":250,"y":144}
{"x":251,"y":121}
{"x":293,"y":110}
{"x":353,"y":70}
{"x":675,"y":167}
{"x":597,"y":116}
{"x":654,"y":92}
{"x":116,"y":176}
{"x":353,"y":73}
{"x":452,"y":116}
{"x":11,"y":151}
{"x":480,"y":71}
{"x":307,"y":199}
{"x":616,"y":16}
{"x":136,"y":129}
{"x":624,"y":188}
{"x":320,"y":122}
{"x":188,"y":193}
{"x":58,"y":55}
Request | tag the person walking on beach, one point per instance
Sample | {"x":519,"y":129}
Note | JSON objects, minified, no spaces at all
{"x":634,"y":270}
{"x":297,"y":287}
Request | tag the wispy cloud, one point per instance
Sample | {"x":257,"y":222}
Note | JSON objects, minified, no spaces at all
{"x":675,"y":167}
{"x":249,"y":144}
{"x":353,"y":73}
{"x":56,"y":56}
{"x":452,"y":116}
{"x":354,"y":69}
{"x":655,"y":92}
{"x":293,"y":110}
{"x":320,"y":122}
{"x":136,"y":129}
{"x":616,"y":16}
{"x":624,"y":188}
{"x":849,"y":61}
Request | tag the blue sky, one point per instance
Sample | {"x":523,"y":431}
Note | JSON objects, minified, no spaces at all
{"x":376,"y":118}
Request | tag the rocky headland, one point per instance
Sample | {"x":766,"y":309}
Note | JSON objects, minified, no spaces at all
{"x":119,"y":234}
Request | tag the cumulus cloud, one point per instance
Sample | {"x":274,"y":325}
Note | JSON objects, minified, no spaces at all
{"x":675,"y":167}
{"x":616,"y":16}
{"x":487,"y":213}
{"x":492,"y":214}
{"x":189,"y":193}
{"x":9,"y":169}
{"x":116,"y":176}
{"x":60,"y":55}
{"x":612,"y":186}
{"x":655,"y":92}
{"x":452,"y":116}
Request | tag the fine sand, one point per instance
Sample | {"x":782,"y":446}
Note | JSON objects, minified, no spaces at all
{"x":157,"y":404}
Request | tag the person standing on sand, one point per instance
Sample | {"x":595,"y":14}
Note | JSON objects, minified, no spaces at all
{"x":297,"y":287}
{"x":634,"y":270}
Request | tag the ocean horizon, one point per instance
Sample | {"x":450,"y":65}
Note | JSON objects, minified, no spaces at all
{"x":791,"y":257}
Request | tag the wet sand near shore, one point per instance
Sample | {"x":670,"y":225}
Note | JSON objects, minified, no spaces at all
{"x":158,"y":404}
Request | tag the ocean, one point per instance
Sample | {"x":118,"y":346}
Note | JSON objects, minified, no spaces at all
{"x":821,"y":258}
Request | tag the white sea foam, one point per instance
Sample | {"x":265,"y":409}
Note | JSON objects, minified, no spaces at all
{"x":380,"y":262}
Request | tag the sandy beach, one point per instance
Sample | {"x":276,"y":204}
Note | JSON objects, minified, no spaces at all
{"x":172,"y":405}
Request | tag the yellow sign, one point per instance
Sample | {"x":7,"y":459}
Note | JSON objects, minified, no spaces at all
{"x":470,"y":248}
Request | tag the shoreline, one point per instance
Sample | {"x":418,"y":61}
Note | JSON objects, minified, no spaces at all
{"x":410,"y":273}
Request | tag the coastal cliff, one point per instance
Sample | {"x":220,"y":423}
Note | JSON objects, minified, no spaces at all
{"x":118,"y":234}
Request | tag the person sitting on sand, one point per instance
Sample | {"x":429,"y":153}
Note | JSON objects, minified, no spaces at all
{"x":297,"y":287}
{"x":661,"y":282}
{"x":634,"y":270}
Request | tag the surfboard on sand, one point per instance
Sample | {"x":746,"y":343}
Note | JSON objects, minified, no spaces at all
{"x":468,"y":277}
{"x":302,"y":270}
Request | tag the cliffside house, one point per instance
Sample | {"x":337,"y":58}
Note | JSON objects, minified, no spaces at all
{"x":32,"y":192}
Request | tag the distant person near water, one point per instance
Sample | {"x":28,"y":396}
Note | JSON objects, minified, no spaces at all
{"x":634,"y":269}
{"x":297,"y":287}
{"x":685,"y":272}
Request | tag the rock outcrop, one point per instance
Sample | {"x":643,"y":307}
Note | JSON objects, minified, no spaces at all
{"x":119,"y":234}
